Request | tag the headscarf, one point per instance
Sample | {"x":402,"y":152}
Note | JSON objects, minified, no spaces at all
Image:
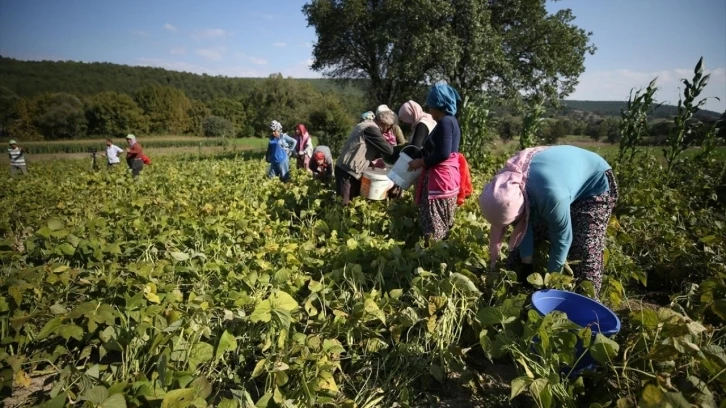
{"x":12,"y":142}
{"x":382,"y":108}
{"x":319,"y":156}
{"x":368,"y":116}
{"x":132,"y":138}
{"x":275,"y":126}
{"x":303,"y":138}
{"x":504,"y":199}
{"x":411,"y":112}
{"x":443,"y":97}
{"x":390,"y":135}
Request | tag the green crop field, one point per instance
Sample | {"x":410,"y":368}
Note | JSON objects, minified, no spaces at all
{"x":204,"y":283}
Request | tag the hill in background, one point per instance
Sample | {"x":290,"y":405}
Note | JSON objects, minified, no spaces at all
{"x":29,"y":78}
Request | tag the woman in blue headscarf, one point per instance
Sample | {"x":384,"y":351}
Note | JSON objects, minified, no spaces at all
{"x":439,"y":184}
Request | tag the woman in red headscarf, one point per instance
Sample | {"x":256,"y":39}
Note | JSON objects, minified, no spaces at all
{"x":304,"y":150}
{"x":321,"y":166}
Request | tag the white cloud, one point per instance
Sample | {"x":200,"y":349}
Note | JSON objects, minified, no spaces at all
{"x":178,"y":51}
{"x":209,"y":33}
{"x":279,"y":44}
{"x":258,"y":61}
{"x":214,"y":54}
{"x":169,"y":27}
{"x":616,"y":85}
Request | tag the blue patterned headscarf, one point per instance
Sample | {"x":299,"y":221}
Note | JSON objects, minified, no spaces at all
{"x":275,"y":126}
{"x":443,"y":97}
{"x":368,"y":116}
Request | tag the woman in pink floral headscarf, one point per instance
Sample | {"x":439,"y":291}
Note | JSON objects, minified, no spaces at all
{"x":564,"y":194}
{"x":304,"y":146}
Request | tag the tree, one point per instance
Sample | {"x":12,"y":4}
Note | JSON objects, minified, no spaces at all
{"x":285,"y":100}
{"x":330,"y":122}
{"x":198,"y":111}
{"x":166,"y":107}
{"x":60,"y":116}
{"x":555,"y":130}
{"x":8,"y":99}
{"x":214,"y":126}
{"x":230,"y":110}
{"x":22,"y":125}
{"x":506,"y":48}
{"x":115,"y":114}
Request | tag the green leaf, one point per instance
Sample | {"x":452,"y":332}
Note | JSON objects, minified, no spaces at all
{"x":315,"y":286}
{"x":519,"y":385}
{"x":464,"y":284}
{"x":228,"y":403}
{"x":535,"y":280}
{"x":262,"y":312}
{"x":70,"y":330}
{"x":259,"y":368}
{"x":200,"y":353}
{"x":604,"y":349}
{"x":540,"y":390}
{"x":179,"y":256}
{"x":719,"y":307}
{"x":202,"y":387}
{"x":55,"y":224}
{"x":489,"y":316}
{"x":50,"y":327}
{"x":651,"y":397}
{"x":96,"y":395}
{"x":371,"y":307}
{"x":65,"y":249}
{"x":181,"y":398}
{"x":282,"y":300}
{"x":114,"y":401}
{"x":59,"y":401}
{"x":227,"y":342}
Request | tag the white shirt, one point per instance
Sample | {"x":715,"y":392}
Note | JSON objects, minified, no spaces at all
{"x":112,"y":154}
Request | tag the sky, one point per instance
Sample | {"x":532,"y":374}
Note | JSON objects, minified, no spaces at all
{"x":636,"y":40}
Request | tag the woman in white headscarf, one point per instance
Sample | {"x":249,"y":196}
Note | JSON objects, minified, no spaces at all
{"x":394,"y":136}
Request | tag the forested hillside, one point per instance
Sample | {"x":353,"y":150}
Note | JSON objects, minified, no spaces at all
{"x":47,"y":100}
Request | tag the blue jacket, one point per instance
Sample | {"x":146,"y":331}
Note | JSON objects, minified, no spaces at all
{"x":279,"y":148}
{"x":558,"y":176}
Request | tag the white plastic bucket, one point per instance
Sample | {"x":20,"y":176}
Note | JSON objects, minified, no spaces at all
{"x":400,"y":175}
{"x":374,"y":185}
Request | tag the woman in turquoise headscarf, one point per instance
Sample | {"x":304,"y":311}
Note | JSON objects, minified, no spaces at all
{"x":439,"y":184}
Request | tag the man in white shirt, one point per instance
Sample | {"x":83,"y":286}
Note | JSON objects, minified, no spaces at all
{"x":17,"y":159}
{"x":112,"y":152}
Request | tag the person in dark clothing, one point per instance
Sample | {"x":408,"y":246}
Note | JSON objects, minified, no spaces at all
{"x":439,"y":184}
{"x":421,"y":123}
{"x":133,"y":156}
{"x":365,"y":145}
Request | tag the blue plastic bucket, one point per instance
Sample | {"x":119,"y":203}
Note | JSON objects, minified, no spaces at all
{"x":582,"y":311}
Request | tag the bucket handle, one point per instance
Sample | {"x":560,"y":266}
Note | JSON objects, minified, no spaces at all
{"x":406,"y":147}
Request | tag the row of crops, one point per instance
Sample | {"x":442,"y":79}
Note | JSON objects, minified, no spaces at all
{"x":84,"y":147}
{"x":205,"y":284}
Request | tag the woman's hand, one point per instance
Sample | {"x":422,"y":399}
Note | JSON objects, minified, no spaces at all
{"x":415,"y":164}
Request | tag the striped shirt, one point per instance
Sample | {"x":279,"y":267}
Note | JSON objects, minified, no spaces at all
{"x":16,"y":157}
